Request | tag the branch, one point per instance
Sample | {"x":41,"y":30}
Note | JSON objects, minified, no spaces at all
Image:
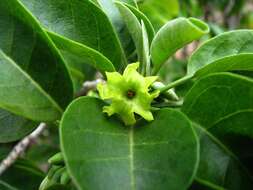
{"x":23,"y":144}
{"x":87,"y":86}
{"x":20,"y":148}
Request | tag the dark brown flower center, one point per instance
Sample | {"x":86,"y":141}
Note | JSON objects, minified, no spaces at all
{"x":130,"y":94}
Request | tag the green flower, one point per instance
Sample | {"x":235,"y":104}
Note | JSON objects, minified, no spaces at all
{"x":128,"y":94}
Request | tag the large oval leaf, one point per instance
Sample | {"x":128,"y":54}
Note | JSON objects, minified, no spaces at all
{"x":81,"y":21}
{"x":102,"y":153}
{"x":222,"y":103}
{"x":219,"y":168}
{"x":14,"y":127}
{"x":173,"y":36}
{"x":31,"y":67}
{"x":226,"y":52}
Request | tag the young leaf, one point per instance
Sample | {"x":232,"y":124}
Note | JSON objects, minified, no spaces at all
{"x":226,"y":52}
{"x":80,"y":21}
{"x":14,"y":127}
{"x":134,"y":27}
{"x":222,"y":103}
{"x":102,"y":153}
{"x":114,"y":16}
{"x":146,"y":54}
{"x":173,"y":36}
{"x":219,"y":168}
{"x":147,"y":23}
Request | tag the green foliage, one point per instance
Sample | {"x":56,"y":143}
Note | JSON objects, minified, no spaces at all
{"x":94,"y":29}
{"x":14,"y":127}
{"x":180,"y":31}
{"x":225,"y":112}
{"x":129,"y":94}
{"x":226,"y":52}
{"x":217,"y":161}
{"x":159,"y":12}
{"x":22,"y":175}
{"x":146,"y":156}
{"x":189,"y":127}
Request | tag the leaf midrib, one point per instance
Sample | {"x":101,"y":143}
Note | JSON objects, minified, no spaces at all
{"x":131,"y":157}
{"x":36,"y":85}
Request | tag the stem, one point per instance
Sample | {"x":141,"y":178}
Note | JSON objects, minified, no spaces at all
{"x":20,"y":148}
{"x":176,"y":83}
{"x":87,"y":86}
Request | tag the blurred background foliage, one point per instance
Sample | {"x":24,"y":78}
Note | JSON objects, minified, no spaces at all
{"x":221,"y":15}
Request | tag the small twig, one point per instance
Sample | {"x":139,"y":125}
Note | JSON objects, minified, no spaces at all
{"x":89,"y":85}
{"x":20,"y":148}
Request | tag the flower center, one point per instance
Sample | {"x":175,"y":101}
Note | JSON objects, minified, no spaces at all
{"x":130,"y":94}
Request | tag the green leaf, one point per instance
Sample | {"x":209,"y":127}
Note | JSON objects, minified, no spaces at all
{"x":173,"y":36}
{"x":159,"y":12}
{"x":141,"y":16}
{"x":83,"y":53}
{"x":146,"y":52}
{"x":219,"y":168}
{"x":14,"y":92}
{"x":102,"y":153}
{"x":30,"y":66}
{"x":14,"y":127}
{"x":80,"y":21}
{"x":113,"y":14}
{"x":134,"y":27}
{"x":6,"y":186}
{"x":60,"y":187}
{"x":222,"y":103}
{"x":226,"y":52}
{"x":23,"y":175}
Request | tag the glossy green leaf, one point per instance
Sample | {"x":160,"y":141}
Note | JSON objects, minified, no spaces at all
{"x":142,"y":17}
{"x":219,"y":168}
{"x":14,"y":127}
{"x":102,"y":153}
{"x":31,"y":67}
{"x":222,"y":103}
{"x":173,"y":36}
{"x":159,"y":11}
{"x":226,"y":52}
{"x":14,"y":93}
{"x":83,"y":53}
{"x":23,"y":175}
{"x":134,"y":27}
{"x":80,"y":21}
{"x":146,"y":51}
{"x":113,"y":14}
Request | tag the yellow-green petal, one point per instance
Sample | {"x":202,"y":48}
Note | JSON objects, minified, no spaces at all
{"x":128,"y":94}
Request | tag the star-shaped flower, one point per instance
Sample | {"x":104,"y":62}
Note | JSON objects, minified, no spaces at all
{"x":128,"y":94}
